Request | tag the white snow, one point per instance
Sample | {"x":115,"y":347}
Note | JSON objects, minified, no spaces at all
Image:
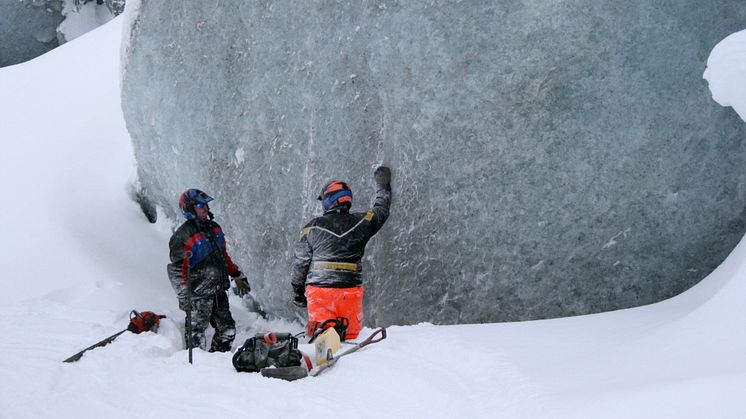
{"x":77,"y":255}
{"x":726,"y":72}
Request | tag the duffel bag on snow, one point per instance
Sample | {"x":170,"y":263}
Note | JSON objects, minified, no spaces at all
{"x":267,"y":350}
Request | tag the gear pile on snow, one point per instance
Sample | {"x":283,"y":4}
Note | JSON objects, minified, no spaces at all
{"x":267,"y":350}
{"x":292,"y":373}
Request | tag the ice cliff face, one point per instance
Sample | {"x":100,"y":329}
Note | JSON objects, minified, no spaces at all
{"x":550,"y":158}
{"x":28,"y":28}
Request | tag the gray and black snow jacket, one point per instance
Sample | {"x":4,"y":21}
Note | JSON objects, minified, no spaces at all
{"x":209,"y":265}
{"x":330,"y":248}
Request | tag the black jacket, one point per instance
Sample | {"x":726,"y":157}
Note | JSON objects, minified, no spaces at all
{"x":208,"y":268}
{"x":330,"y":248}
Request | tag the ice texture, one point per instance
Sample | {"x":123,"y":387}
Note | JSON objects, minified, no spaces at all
{"x":28,"y":28}
{"x":549,"y":157}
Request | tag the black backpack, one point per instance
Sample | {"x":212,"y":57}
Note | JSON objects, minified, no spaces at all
{"x":267,"y":350}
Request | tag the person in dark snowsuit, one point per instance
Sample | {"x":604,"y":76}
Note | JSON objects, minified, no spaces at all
{"x":326,"y":272}
{"x":198,"y":251}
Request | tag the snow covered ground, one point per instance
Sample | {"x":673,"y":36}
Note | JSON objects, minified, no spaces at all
{"x":77,"y":255}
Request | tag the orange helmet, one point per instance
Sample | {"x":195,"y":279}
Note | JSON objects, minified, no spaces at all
{"x":336,"y":195}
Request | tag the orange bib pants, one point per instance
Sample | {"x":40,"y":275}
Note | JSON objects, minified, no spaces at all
{"x":330,"y":303}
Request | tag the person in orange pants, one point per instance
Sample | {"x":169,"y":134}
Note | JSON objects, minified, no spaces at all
{"x":326,"y":272}
{"x":335,"y":303}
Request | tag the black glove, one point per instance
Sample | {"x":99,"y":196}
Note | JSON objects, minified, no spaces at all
{"x":382,"y":175}
{"x":242,"y":284}
{"x":300,"y":301}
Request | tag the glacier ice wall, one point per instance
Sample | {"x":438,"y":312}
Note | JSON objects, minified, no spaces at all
{"x":28,"y":28}
{"x":550,"y":157}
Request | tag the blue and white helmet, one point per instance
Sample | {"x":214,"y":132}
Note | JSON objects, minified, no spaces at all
{"x":190,"y":199}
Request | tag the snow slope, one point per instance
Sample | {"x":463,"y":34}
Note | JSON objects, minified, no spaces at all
{"x":78,"y":255}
